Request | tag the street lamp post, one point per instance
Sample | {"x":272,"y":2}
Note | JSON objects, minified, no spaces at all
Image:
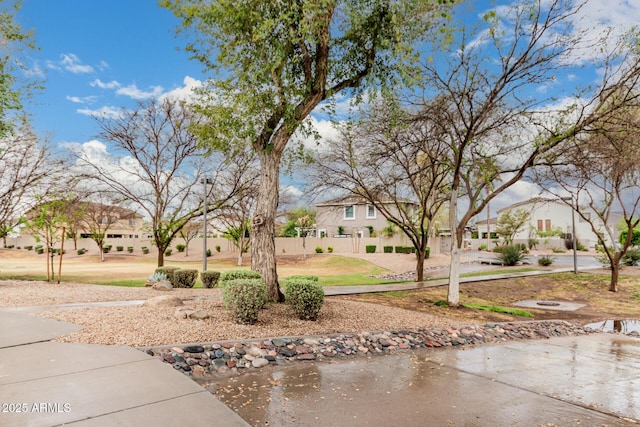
{"x":204,"y":181}
{"x":573,"y":233}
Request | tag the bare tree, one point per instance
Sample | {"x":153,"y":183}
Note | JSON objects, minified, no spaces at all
{"x":394,"y":162}
{"x":237,"y":219}
{"x":27,"y":170}
{"x":163,"y":166}
{"x":98,"y":216}
{"x":190,"y":231}
{"x":600,"y":173}
{"x":495,"y":128}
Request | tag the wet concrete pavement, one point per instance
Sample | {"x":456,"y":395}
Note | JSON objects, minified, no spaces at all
{"x":588,"y":381}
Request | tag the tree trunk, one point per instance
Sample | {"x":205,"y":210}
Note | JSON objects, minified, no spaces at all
{"x":160,"y":257}
{"x":453,"y":291}
{"x":420,"y":266}
{"x":615,"y":273}
{"x":263,"y":245}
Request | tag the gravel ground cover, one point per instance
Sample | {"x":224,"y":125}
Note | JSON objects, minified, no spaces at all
{"x":142,"y":326}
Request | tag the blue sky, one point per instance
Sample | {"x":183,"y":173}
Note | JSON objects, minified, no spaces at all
{"x":101,"y":55}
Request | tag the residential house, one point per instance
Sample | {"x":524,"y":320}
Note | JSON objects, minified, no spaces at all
{"x":547,"y":215}
{"x":349,"y":216}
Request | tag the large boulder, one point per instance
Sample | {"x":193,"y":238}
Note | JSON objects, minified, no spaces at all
{"x":163,"y":301}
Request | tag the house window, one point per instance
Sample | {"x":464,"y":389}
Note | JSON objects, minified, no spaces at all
{"x":540,"y":225}
{"x":547,"y":224}
{"x":350,"y":212}
{"x":371,"y":212}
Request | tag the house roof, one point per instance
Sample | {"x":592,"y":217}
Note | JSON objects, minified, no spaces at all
{"x":533,"y":201}
{"x":356,"y":200}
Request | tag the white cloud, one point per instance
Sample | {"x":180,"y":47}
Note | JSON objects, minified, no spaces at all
{"x":134,"y":92}
{"x":72,"y":63}
{"x":102,"y":85}
{"x":185,"y":92}
{"x":81,"y":100}
{"x":104,"y":112}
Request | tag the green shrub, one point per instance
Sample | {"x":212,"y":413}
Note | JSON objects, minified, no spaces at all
{"x":558,"y":250}
{"x":168,"y":252}
{"x":157,"y":277}
{"x":106,"y":249}
{"x":244,"y":298}
{"x":370,"y":249}
{"x":305,"y":296}
{"x":169,"y":272}
{"x":145,"y":250}
{"x":180,"y":247}
{"x":511,"y":255}
{"x":399,"y":249}
{"x":545,"y":260}
{"x":81,"y":251}
{"x":427,"y":253}
{"x":185,"y":278}
{"x":40,"y":250}
{"x":130,"y":249}
{"x":217,"y":248}
{"x":631,"y":257}
{"x":11,"y":246}
{"x":330,"y":249}
{"x":208,"y":252}
{"x":387,"y":249}
{"x":119,"y":248}
{"x":209,"y":278}
{"x":319,"y":250}
{"x":29,"y":247}
{"x":238,"y":274}
{"x":109,"y":246}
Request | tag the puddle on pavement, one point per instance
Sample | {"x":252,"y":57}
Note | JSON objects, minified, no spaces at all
{"x":624,"y":326}
{"x":413,"y":389}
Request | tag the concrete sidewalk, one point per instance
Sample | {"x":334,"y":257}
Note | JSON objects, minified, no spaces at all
{"x":45,"y":383}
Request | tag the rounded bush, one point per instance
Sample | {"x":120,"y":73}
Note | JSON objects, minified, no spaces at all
{"x":169,"y":272}
{"x":545,"y":260}
{"x":244,"y":298}
{"x":168,"y":252}
{"x":305,"y":296}
{"x":319,"y":250}
{"x":184,"y":278}
{"x":370,"y":249}
{"x":180,"y":247}
{"x":209,"y":278}
{"x":239,"y":274}
{"x":387,"y":249}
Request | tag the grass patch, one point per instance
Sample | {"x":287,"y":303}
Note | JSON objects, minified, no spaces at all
{"x":499,"y":271}
{"x":352,"y":279}
{"x":498,"y":309}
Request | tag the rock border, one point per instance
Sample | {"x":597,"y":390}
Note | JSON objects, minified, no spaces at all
{"x":206,"y":361}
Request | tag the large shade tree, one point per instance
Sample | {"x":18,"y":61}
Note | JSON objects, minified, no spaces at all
{"x":278,"y":61}
{"x":485,"y":92}
{"x":163,"y":167}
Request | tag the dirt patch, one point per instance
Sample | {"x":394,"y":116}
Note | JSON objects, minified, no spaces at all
{"x":590,"y":289}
